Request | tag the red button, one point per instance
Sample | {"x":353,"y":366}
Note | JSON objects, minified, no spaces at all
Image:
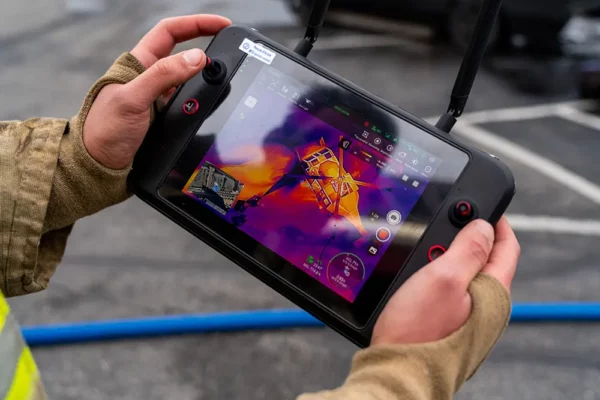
{"x":463,"y":210}
{"x":435,"y":252}
{"x":191,"y":106}
{"x":383,"y":234}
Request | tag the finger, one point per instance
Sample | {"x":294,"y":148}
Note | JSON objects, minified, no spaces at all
{"x":469,"y":252}
{"x":166,"y":96}
{"x":161,"y":40}
{"x":165,"y":74}
{"x":503,"y":261}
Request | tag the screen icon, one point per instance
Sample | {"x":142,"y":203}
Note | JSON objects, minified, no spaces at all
{"x":374,"y":216}
{"x":377,"y":141}
{"x":365,"y":156}
{"x":405,"y":178}
{"x":394,"y":217}
{"x":392,"y":170}
{"x":295,"y":95}
{"x":345,"y":143}
{"x":251,"y":101}
{"x":383,"y":234}
{"x":415,"y":183}
{"x":373,"y":250}
{"x":365,"y":134}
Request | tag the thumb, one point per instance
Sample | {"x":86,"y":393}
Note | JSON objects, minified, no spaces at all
{"x":165,"y":74}
{"x":469,"y":252}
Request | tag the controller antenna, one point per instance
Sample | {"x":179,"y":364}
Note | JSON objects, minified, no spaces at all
{"x":313,"y":27}
{"x":488,"y":15}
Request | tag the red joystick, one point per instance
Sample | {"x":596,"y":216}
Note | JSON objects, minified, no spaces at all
{"x":463,"y":210}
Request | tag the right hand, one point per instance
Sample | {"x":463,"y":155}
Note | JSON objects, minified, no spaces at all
{"x":435,"y":301}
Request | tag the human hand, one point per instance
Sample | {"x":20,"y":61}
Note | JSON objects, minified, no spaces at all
{"x":120,"y":116}
{"x":435,"y":302}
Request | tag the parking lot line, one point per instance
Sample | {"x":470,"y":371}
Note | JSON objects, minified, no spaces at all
{"x":525,"y":113}
{"x":526,"y":223}
{"x":530,"y":159}
{"x":577,"y":116}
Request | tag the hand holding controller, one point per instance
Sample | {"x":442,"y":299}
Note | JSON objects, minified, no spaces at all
{"x":249,"y":155}
{"x":127,"y":107}
{"x":434,"y":302}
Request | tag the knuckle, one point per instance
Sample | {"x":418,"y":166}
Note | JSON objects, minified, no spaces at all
{"x":163,"y":22}
{"x":162,"y":68}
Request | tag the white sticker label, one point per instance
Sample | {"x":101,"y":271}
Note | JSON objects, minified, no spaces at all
{"x":257,"y":51}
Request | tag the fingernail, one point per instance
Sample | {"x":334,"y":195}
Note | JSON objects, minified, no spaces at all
{"x":485,"y":229}
{"x":193,"y":57}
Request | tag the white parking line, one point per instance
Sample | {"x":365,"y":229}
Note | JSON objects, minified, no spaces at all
{"x":575,"y":115}
{"x":526,"y":223}
{"x":526,"y":113}
{"x":530,"y":159}
{"x":572,"y":111}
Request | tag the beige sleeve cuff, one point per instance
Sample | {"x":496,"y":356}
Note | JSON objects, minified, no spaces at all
{"x":82,"y":186}
{"x":28,"y":152}
{"x":48,"y":181}
{"x":429,"y":371}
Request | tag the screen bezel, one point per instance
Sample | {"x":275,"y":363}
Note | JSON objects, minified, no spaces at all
{"x":359,"y":312}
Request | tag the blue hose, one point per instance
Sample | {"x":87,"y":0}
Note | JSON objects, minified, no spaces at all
{"x":79,"y":332}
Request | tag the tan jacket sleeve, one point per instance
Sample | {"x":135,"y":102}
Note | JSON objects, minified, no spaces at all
{"x":429,"y":371}
{"x":48,"y":181}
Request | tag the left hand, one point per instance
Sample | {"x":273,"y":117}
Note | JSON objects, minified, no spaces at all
{"x":119,"y":118}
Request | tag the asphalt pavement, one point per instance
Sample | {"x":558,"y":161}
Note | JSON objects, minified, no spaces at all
{"x":129,"y":261}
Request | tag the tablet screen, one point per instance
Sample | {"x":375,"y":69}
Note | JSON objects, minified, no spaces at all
{"x":315,"y":174}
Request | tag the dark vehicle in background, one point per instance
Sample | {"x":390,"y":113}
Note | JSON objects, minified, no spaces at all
{"x":581,"y":41}
{"x":531,"y":26}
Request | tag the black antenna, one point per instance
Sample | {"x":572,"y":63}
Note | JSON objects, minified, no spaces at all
{"x":313,"y":27}
{"x":488,"y":15}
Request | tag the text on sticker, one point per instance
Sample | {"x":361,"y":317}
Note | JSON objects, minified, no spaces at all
{"x":257,"y":51}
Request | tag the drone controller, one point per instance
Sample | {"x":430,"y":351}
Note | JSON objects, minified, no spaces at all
{"x":326,"y":193}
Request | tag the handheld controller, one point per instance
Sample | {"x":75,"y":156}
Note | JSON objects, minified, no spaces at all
{"x":326,"y":193}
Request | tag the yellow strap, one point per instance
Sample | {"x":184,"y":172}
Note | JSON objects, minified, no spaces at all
{"x":26,"y":379}
{"x":4,"y":310}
